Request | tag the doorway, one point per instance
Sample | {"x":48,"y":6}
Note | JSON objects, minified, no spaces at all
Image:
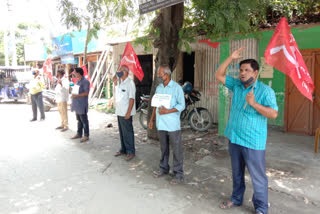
{"x":144,"y":87}
{"x":302,"y":115}
{"x":188,"y":68}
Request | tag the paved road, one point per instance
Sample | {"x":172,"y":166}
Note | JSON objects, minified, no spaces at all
{"x":42,"y":171}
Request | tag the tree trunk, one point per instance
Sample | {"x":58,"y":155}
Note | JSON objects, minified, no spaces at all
{"x":169,"y":22}
{"x":86,"y":46}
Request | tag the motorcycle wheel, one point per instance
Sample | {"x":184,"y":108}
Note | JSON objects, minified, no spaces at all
{"x":201,"y":123}
{"x":143,"y":119}
{"x":47,"y":108}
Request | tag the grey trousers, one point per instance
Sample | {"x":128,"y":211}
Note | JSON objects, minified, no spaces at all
{"x":172,"y":139}
{"x":36,"y":101}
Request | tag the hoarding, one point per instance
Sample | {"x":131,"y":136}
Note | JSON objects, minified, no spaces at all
{"x":62,"y":45}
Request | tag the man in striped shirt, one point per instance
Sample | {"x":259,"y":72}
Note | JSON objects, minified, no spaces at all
{"x":247,"y":130}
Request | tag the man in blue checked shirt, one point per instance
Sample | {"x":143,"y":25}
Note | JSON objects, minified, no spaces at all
{"x":168,"y":125}
{"x":247,"y":130}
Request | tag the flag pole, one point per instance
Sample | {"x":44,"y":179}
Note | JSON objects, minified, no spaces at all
{"x":254,"y":84}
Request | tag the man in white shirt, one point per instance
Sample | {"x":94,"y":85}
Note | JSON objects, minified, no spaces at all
{"x":125,"y":109}
{"x":62,"y":96}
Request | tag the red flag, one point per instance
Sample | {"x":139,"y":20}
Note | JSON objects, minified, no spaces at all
{"x":47,"y":68}
{"x":74,"y":80}
{"x":212,"y":44}
{"x":283,"y":54}
{"x":130,"y":59}
{"x":86,"y":74}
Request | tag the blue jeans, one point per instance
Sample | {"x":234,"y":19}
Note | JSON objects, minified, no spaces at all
{"x":255,"y":162}
{"x":83,"y":124}
{"x":126,"y":136}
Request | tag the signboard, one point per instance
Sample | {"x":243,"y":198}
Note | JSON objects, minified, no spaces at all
{"x":62,"y":45}
{"x":79,"y":40}
{"x":146,"y":6}
{"x":68,"y":59}
{"x":35,"y":52}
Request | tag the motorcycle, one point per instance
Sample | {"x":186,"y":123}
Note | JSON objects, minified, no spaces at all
{"x":199,"y":118}
{"x":48,"y":99}
{"x":143,"y":109}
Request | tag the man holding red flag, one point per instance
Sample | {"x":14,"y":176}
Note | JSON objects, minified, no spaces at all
{"x":125,"y":109}
{"x":247,"y":130}
{"x":283,"y":54}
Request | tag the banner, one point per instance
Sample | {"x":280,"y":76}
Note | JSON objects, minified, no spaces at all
{"x":283,"y":54}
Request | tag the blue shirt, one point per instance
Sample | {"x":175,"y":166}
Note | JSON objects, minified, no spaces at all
{"x":171,"y":122}
{"x":247,"y":127}
{"x":80,"y":104}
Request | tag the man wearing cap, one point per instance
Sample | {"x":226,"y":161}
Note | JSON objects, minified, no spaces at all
{"x":36,"y":86}
{"x":125,"y":109}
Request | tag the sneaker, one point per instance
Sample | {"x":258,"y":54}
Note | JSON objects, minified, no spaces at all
{"x":59,"y":127}
{"x":33,"y":120}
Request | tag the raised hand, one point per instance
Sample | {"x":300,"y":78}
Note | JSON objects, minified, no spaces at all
{"x":236,"y":54}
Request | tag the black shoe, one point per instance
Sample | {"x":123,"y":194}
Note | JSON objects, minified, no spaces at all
{"x":59,"y":127}
{"x":33,"y":120}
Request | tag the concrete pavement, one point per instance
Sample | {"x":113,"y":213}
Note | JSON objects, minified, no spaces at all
{"x":43,"y":171}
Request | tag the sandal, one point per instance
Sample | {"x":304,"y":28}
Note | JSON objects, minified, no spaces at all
{"x":130,"y":157}
{"x":76,"y":137}
{"x":119,"y":154}
{"x":84,"y":139}
{"x":158,"y":174}
{"x":226,"y":205}
{"x":176,"y":181}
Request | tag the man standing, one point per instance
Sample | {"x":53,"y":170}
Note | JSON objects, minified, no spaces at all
{"x":247,"y":130}
{"x":62,"y":95}
{"x":168,"y":125}
{"x":36,"y":86}
{"x":125,"y":109}
{"x":80,"y":104}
